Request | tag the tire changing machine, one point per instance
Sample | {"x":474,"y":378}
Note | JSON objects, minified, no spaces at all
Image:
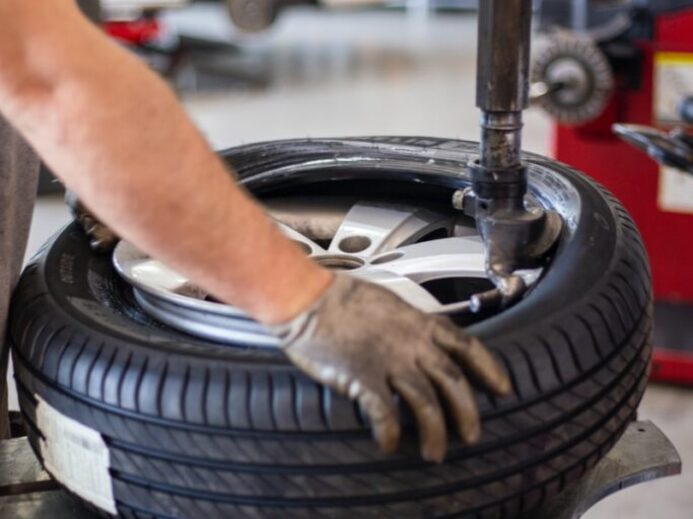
{"x":629,"y":63}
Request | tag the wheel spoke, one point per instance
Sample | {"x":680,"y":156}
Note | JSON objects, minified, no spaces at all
{"x":306,"y":243}
{"x":436,"y":259}
{"x":409,"y":290}
{"x":369,"y":229}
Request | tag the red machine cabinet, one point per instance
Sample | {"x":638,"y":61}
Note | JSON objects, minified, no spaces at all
{"x":636,"y":181}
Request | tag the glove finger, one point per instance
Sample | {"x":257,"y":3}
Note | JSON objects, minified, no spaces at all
{"x":374,"y":398}
{"x":379,"y":404}
{"x":473,"y":355}
{"x":423,"y":401}
{"x":458,"y":393}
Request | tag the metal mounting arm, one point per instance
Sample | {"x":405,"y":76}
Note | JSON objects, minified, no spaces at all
{"x":503,"y":79}
{"x":515,"y":237}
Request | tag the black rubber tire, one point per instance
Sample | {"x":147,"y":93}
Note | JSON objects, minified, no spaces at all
{"x":197,"y":429}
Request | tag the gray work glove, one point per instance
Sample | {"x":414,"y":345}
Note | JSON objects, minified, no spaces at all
{"x":364,"y":341}
{"x":101,"y":238}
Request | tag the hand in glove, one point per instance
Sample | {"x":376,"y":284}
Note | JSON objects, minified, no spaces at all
{"x":101,"y":238}
{"x":364,"y":341}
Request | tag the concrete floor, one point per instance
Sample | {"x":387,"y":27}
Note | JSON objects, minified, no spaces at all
{"x":341,"y":74}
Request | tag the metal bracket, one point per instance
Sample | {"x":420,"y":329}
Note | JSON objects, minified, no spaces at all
{"x":642,"y":454}
{"x":515,"y":238}
{"x":673,"y":149}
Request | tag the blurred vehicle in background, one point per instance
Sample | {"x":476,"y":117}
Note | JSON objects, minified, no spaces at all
{"x":126,"y":10}
{"x":259,"y":15}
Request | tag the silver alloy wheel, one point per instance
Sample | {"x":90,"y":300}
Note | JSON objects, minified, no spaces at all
{"x":399,"y":246}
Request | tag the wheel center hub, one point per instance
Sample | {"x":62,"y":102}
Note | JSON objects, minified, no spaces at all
{"x":340,"y":262}
{"x":417,"y":253}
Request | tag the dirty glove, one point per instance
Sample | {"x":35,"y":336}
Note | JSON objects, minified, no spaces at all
{"x":101,"y":238}
{"x":364,"y":341}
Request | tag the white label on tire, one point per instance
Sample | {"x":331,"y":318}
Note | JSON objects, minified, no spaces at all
{"x":675,"y":191}
{"x":76,"y":456}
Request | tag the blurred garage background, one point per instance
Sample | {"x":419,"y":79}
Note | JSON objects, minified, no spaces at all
{"x":253,"y":70}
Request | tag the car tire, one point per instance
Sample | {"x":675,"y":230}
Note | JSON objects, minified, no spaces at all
{"x":191,"y":428}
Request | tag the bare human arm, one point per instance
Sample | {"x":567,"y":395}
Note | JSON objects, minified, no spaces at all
{"x":117,"y":136}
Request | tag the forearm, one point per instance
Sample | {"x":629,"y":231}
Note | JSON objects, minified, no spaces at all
{"x":117,"y":136}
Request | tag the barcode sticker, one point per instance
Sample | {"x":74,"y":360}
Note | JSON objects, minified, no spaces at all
{"x":76,"y":456}
{"x":675,"y":191}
